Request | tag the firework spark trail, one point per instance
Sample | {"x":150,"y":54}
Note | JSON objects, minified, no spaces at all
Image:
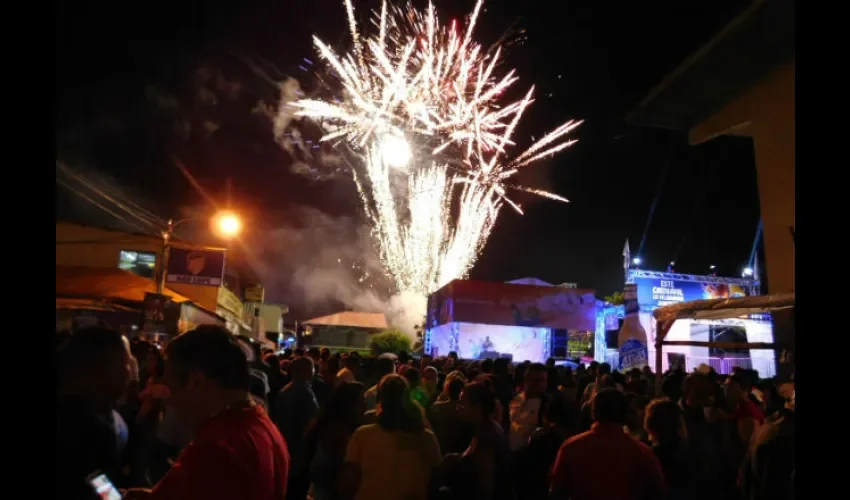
{"x":435,"y":91}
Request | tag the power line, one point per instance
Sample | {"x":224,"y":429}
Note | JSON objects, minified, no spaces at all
{"x":126,"y":206}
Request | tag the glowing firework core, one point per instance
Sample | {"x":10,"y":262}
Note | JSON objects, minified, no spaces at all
{"x":395,"y":150}
{"x":419,"y":86}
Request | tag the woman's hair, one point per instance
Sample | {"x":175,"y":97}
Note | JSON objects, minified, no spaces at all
{"x":481,"y":394}
{"x":664,"y":420}
{"x":396,"y":409}
{"x":333,"y":365}
{"x":341,"y":401}
{"x":160,"y":362}
{"x":519,"y":374}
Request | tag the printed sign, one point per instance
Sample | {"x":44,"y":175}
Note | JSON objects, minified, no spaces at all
{"x":196,"y":267}
{"x":657,"y":292}
{"x":633,"y":354}
{"x":159,"y":314}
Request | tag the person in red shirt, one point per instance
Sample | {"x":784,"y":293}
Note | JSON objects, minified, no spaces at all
{"x":748,"y":416}
{"x":237,"y":453}
{"x":604,"y":462}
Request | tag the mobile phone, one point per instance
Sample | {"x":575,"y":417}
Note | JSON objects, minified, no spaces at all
{"x":103,"y":487}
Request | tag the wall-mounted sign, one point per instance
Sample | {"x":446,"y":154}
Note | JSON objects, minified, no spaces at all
{"x":229,"y":301}
{"x":255,"y":293}
{"x":196,"y":267}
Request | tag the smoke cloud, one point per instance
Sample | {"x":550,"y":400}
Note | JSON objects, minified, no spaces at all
{"x":330,"y":264}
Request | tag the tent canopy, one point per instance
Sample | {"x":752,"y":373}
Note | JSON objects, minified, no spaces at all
{"x":106,"y":284}
{"x":718,"y":309}
{"x":90,"y":305}
{"x":713,"y":309}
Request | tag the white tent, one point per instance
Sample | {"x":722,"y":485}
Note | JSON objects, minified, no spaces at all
{"x":713,"y":309}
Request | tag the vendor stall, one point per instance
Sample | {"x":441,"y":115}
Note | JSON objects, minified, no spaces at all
{"x":715,"y":309}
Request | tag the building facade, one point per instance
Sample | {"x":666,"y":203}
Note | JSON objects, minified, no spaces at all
{"x":140,"y":254}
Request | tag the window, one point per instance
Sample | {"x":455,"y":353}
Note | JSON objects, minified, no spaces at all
{"x":722,"y":333}
{"x":140,"y":263}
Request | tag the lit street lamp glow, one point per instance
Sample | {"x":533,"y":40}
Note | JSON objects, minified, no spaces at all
{"x":636,"y":261}
{"x":228,"y":224}
{"x":748,"y":271}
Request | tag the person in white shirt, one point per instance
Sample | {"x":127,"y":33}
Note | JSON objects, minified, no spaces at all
{"x":527,"y":406}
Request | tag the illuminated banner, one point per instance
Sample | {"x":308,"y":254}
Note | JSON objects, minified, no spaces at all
{"x":195,"y":267}
{"x":633,"y":354}
{"x":494,"y":303}
{"x":657,"y":292}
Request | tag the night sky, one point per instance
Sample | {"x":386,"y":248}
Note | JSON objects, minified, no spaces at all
{"x":127,"y":72}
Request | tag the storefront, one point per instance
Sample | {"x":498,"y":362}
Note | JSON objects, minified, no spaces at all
{"x":231,"y":309}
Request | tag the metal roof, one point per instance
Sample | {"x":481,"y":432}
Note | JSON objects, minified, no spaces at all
{"x":351,"y":318}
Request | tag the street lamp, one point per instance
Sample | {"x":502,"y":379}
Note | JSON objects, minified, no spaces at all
{"x":226,"y":223}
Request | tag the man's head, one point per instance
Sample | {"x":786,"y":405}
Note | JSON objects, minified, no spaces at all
{"x":314,"y":354}
{"x":536,"y":379}
{"x":487,"y":366}
{"x":591,"y":370}
{"x":352,"y":363}
{"x":610,"y":406}
{"x":95,"y":362}
{"x":698,"y":390}
{"x":454,"y":387}
{"x":384,"y":366}
{"x":664,"y":421}
{"x":738,"y":386}
{"x":413,"y":376}
{"x":205,"y":369}
{"x":604,"y":369}
{"x":425,"y":361}
{"x":500,"y":367}
{"x":299,"y":352}
{"x":477,"y":402}
{"x":301,"y":369}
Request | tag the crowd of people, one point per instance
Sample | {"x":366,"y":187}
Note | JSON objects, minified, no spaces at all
{"x":213,"y":416}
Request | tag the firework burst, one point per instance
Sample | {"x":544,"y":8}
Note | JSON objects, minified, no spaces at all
{"x":422,"y":111}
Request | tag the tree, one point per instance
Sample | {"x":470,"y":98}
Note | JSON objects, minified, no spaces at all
{"x":616,"y":299}
{"x":390,"y":340}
